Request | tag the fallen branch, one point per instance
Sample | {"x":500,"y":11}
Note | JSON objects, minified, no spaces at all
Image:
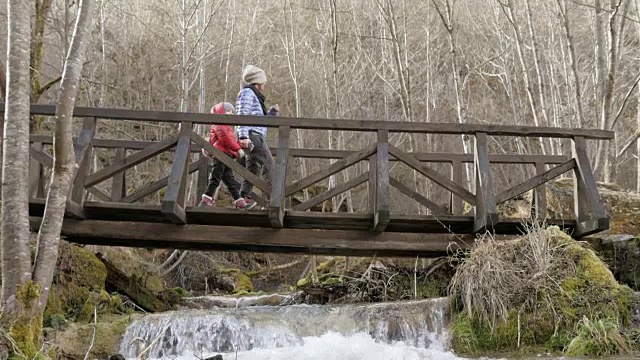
{"x":146,"y":350}
{"x":93,"y":337}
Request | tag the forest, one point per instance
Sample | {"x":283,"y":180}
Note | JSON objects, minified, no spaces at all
{"x":552,"y":63}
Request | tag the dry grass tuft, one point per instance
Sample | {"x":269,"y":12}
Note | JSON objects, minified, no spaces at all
{"x":498,"y":277}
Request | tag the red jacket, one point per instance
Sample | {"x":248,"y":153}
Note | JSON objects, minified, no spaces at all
{"x":223,"y":138}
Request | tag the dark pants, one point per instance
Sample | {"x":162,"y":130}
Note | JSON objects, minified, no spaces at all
{"x":222,"y":172}
{"x":259,"y":157}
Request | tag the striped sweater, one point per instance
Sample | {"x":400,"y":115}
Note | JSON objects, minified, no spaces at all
{"x":249,"y":104}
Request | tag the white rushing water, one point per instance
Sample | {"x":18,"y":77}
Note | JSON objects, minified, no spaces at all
{"x":333,"y":346}
{"x":399,"y":330}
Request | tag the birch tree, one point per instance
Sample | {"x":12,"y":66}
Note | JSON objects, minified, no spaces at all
{"x":25,"y":286}
{"x":16,"y":261}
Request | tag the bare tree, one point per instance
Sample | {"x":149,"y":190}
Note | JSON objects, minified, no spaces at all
{"x":16,"y":260}
{"x":64,"y":161}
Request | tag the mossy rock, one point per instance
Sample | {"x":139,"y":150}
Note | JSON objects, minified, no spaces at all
{"x":78,"y":284}
{"x":242,"y":283}
{"x":73,"y":342}
{"x":543,"y":308}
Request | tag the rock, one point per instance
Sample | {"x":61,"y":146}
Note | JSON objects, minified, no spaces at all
{"x":216,"y":357}
{"x":212,"y":302}
{"x":141,"y":286}
{"x":622,"y":254}
{"x":78,"y":286}
{"x":116,"y":357}
{"x":506,"y":301}
{"x":74,"y":340}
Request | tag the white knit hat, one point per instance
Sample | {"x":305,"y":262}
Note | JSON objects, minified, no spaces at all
{"x":254,"y":75}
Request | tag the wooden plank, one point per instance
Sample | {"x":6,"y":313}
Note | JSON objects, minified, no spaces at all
{"x":173,"y":203}
{"x":118,"y":183}
{"x":237,"y":238}
{"x":456,"y":204}
{"x":155,"y":186}
{"x":535,"y":181}
{"x":73,"y":210}
{"x":98,"y":194}
{"x":432,"y":174}
{"x":436,"y":157}
{"x":328,"y":124}
{"x":320,"y":198}
{"x":539,"y":211}
{"x":486,"y":216}
{"x":381,"y":214}
{"x":415,"y":196}
{"x":276,"y":201}
{"x":130,"y":161}
{"x":330,"y":170}
{"x":42,"y":157}
{"x":335,"y":154}
{"x":255,"y":180}
{"x":590,"y":211}
{"x":36,"y":186}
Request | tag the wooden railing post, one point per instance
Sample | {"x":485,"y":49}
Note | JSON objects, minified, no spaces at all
{"x":173,"y":205}
{"x":590,"y":212}
{"x":278,"y":188}
{"x":381,"y":214}
{"x":290,"y":167}
{"x":118,"y":184}
{"x":82,"y":149}
{"x":539,"y":211}
{"x":455,"y":205}
{"x":36,"y":175}
{"x":486,"y":216}
{"x":371,"y":184}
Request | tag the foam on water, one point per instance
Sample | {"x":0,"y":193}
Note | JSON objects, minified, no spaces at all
{"x":334,"y":346}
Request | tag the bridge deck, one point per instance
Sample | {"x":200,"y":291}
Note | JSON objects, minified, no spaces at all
{"x":347,"y":234}
{"x":430,"y":224}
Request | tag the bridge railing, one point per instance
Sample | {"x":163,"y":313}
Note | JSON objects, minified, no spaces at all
{"x":589,"y":211}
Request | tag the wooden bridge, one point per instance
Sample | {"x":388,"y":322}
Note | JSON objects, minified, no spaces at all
{"x":119,"y":218}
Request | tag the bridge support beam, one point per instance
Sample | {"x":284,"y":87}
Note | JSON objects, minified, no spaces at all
{"x":486,"y":216}
{"x":590,"y":212}
{"x":256,"y":239}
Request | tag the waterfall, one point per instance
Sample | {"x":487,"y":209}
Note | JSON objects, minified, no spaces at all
{"x":195,"y":333}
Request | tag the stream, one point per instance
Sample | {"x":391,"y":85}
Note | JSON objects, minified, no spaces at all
{"x":253,"y":328}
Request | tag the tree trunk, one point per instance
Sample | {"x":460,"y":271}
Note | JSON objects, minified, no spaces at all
{"x":577,"y":94}
{"x":16,"y":261}
{"x":64,"y":164}
{"x":616,"y":32}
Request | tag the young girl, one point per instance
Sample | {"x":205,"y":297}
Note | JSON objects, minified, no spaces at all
{"x":224,"y":139}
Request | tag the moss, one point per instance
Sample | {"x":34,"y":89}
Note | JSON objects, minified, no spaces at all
{"x":599,"y":338}
{"x":464,"y":335}
{"x":181,"y":292}
{"x":78,"y":285}
{"x":545,"y":316}
{"x":26,"y":330}
{"x":75,"y":339}
{"x":243,"y":282}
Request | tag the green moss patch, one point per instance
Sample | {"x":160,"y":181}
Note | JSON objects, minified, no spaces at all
{"x":74,"y":341}
{"x":532,"y":294}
